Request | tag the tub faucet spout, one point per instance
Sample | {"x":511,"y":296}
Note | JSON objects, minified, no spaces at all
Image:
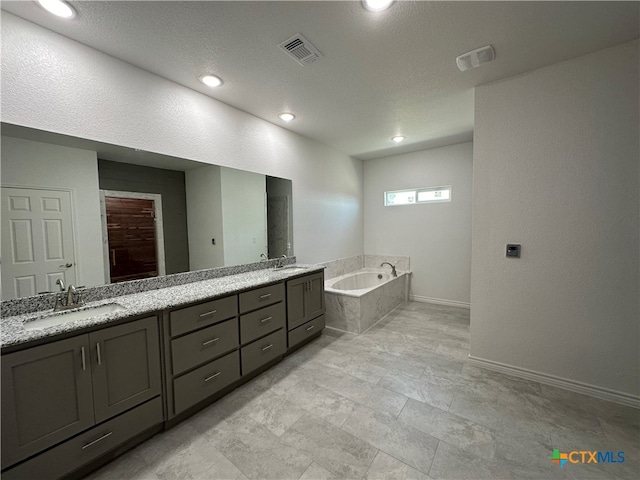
{"x":393,"y":268}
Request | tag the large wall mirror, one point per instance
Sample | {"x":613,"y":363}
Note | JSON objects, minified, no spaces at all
{"x":90,"y":213}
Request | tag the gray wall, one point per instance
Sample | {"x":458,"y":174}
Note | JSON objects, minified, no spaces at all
{"x":437,"y":236}
{"x":556,"y":161}
{"x":204,"y":217}
{"x":168,"y":183}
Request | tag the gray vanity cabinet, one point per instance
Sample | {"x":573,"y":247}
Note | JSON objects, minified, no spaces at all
{"x":305,"y":299}
{"x":46,"y":397}
{"x":262,"y":321}
{"x":54,"y":391}
{"x":201,"y":346}
{"x":305,"y":308}
{"x":126,"y":366}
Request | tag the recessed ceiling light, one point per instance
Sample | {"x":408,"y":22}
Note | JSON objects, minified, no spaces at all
{"x":211,"y":80}
{"x":286,"y":116}
{"x":376,"y":5}
{"x":398,"y":138}
{"x":58,"y":8}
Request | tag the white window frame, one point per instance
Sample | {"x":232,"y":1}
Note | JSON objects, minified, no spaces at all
{"x":416,"y":192}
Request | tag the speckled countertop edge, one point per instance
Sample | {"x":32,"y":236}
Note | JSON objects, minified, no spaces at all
{"x":12,"y":331}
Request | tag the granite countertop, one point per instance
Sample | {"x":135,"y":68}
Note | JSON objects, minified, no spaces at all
{"x":13,"y":332}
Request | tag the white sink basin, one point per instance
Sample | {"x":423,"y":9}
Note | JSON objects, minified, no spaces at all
{"x":64,"y":317}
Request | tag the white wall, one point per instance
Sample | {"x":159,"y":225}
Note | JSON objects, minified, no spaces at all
{"x":204,"y":217}
{"x":244,"y":216}
{"x":556,"y":161}
{"x":436,"y":236}
{"x":33,"y":164}
{"x":52,"y":83}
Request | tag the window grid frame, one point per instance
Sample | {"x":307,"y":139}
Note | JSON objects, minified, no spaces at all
{"x":417,"y":192}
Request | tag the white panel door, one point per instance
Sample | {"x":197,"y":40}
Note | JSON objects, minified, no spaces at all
{"x":37,"y":241}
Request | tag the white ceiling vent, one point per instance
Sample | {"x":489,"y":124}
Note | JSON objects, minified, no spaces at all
{"x":300,"y":49}
{"x":476,"y":58}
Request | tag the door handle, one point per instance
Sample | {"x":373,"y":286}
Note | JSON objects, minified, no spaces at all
{"x":98,"y":352}
{"x":66,"y":265}
{"x":84,"y":361}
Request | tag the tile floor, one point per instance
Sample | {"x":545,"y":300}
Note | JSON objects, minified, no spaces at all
{"x":397,"y":402}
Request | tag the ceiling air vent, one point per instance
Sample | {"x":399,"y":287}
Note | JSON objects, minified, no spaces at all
{"x":300,"y":49}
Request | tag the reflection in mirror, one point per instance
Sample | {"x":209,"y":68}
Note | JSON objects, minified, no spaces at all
{"x":91,"y":213}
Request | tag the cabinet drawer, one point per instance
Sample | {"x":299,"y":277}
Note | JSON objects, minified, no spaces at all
{"x":263,"y":351}
{"x":82,"y":449}
{"x":261,"y":297}
{"x":191,"y":318}
{"x":203,"y":382}
{"x":257,"y":324}
{"x":203,"y":345}
{"x":300,"y":334}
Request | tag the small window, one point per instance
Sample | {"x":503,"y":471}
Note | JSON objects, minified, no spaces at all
{"x":417,"y":195}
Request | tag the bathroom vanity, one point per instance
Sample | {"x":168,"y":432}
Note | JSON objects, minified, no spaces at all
{"x":76,"y":394}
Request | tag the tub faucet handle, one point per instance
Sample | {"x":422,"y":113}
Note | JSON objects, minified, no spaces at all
{"x":393,"y":268}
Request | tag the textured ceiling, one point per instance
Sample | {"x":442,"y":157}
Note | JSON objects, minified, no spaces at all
{"x":381,"y":74}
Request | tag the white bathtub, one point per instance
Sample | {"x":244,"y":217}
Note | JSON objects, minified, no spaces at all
{"x":357,"y":283}
{"x":357,"y":300}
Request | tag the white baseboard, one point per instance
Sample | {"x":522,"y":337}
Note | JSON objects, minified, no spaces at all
{"x":440,"y":301}
{"x":560,"y":382}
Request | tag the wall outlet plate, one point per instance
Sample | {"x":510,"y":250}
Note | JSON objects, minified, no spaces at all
{"x":513,"y":250}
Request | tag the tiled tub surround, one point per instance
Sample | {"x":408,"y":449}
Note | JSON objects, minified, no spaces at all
{"x":342,"y":266}
{"x":357,"y":310}
{"x":13,"y":333}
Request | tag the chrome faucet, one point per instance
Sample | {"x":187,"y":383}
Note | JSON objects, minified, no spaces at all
{"x":280,"y":261}
{"x":263,"y":257}
{"x":393,"y":268}
{"x":72,"y":298}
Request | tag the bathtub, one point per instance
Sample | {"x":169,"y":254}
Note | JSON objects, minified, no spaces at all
{"x":356,"y":301}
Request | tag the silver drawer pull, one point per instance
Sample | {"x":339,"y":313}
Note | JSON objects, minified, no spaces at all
{"x":206,"y":314}
{"x":209,"y":342}
{"x":264,"y":320}
{"x":211,"y":377}
{"x":98,"y":353}
{"x":311,"y":327}
{"x":264,"y":349}
{"x":266,"y":295}
{"x":97,"y":440}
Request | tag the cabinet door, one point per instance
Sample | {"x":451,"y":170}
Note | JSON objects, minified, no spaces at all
{"x":305,"y":299}
{"x":315,"y":295}
{"x":46,"y":397}
{"x":296,"y":290}
{"x":126,"y":366}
